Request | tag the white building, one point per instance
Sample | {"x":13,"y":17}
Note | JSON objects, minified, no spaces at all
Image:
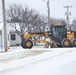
{"x":15,"y":39}
{"x":12,"y":37}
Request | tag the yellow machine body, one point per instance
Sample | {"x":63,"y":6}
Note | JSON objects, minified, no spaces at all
{"x":70,"y":36}
{"x":59,"y":36}
{"x":45,"y":34}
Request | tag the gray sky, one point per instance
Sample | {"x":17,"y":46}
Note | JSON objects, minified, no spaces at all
{"x":56,"y":7}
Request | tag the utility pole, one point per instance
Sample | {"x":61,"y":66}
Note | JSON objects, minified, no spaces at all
{"x":67,"y":14}
{"x":4,"y":27}
{"x":48,"y":6}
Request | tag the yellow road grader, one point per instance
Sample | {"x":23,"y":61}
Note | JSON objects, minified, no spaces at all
{"x":58,"y":36}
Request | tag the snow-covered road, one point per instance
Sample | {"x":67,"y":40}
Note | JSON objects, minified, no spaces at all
{"x":59,"y":61}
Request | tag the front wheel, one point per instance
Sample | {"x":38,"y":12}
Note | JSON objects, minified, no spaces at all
{"x":22,"y":44}
{"x":27,"y":44}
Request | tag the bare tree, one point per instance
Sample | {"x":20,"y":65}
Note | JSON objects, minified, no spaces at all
{"x":37,"y":21}
{"x":19,"y":18}
{"x":24,"y":19}
{"x":54,"y":20}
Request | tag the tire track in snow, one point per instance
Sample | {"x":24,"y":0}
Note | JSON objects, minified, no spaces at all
{"x":32,"y":62}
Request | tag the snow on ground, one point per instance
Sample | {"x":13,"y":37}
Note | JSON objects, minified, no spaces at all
{"x":38,"y":61}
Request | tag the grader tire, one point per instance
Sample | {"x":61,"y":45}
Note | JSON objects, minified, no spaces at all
{"x":66,"y":43}
{"x":28,"y":44}
{"x":22,"y":44}
{"x":74,"y":43}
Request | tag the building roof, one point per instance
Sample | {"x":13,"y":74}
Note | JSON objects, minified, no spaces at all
{"x":10,"y":28}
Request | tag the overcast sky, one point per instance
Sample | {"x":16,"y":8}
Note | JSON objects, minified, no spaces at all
{"x":56,"y":7}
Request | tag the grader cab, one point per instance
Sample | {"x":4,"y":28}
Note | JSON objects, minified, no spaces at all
{"x":63,"y":37}
{"x":58,"y":36}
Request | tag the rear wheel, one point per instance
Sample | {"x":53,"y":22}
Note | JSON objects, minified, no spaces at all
{"x":66,"y":43}
{"x":74,"y":42}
